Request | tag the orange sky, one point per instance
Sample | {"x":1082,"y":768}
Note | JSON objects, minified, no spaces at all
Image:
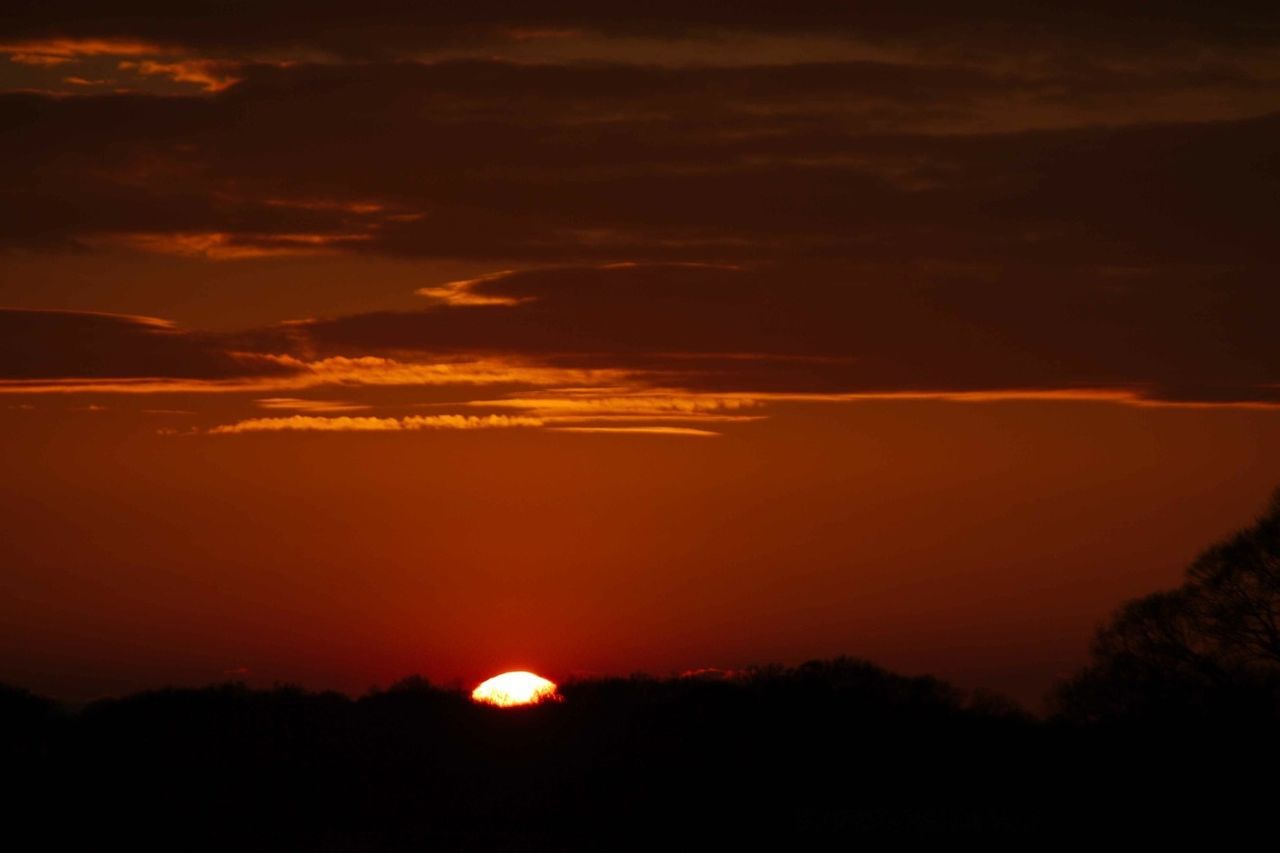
{"x":590,"y":341}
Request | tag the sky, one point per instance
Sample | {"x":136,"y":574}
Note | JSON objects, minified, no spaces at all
{"x":343,"y":343}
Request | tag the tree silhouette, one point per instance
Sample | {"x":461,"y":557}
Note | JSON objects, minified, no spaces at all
{"x":1211,"y":646}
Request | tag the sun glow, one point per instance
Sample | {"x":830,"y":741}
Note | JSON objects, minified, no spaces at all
{"x":515,"y":688}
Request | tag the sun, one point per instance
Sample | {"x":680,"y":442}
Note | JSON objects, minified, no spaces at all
{"x":515,"y":688}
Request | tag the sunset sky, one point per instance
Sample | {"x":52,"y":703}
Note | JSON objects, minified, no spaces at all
{"x":340,"y":342}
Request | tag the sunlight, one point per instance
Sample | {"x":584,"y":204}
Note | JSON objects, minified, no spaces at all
{"x":515,"y":688}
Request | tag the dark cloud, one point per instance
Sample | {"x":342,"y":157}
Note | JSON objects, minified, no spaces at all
{"x":824,"y":328}
{"x":37,"y":345}
{"x":390,"y":27}
{"x":782,"y":329}
{"x":1009,"y":197}
{"x":493,"y":160}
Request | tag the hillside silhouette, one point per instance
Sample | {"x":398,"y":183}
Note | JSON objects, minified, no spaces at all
{"x":1162,"y":733}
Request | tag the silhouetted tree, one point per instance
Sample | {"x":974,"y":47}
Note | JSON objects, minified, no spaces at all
{"x":1210,"y":646}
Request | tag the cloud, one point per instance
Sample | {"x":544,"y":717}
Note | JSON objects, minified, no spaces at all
{"x":831,"y":329}
{"x":301,"y":405}
{"x":661,"y":343}
{"x":217,"y":246}
{"x":59,"y":51}
{"x":38,"y":347}
{"x":372,"y":370}
{"x":861,"y":161}
{"x":412,"y":423}
{"x":311,"y":423}
{"x":927,"y":210}
{"x":75,"y":352}
{"x":209,"y":75}
{"x":80,"y":81}
{"x":464,"y":292}
{"x":640,"y":430}
{"x":600,"y":405}
{"x":139,"y":59}
{"x":397,"y":28}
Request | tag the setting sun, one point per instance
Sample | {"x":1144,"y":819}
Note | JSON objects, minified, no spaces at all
{"x":514,"y":688}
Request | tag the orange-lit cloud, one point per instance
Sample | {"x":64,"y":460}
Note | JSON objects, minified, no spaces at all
{"x":140,"y":58}
{"x":64,"y":50}
{"x":301,"y":405}
{"x":604,"y":406}
{"x":209,"y":75}
{"x":1127,"y":397}
{"x":640,"y":430}
{"x":588,"y":402}
{"x":296,"y":374}
{"x":374,"y":370}
{"x":218,"y":246}
{"x":311,"y":423}
{"x":462,"y":292}
{"x":51,"y":351}
{"x":125,"y":354}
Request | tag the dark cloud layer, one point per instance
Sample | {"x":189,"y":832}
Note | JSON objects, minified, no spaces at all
{"x":778,"y":329}
{"x":45,"y":345}
{"x":389,"y":26}
{"x":835,"y":329}
{"x":1001,"y":196}
{"x":497,"y":161}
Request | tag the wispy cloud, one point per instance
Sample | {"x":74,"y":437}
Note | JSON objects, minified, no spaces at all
{"x":584,"y":402}
{"x":138,"y":58}
{"x":301,"y":405}
{"x":60,"y":51}
{"x":462,"y":292}
{"x":640,"y":430}
{"x":81,"y":81}
{"x":411,"y":423}
{"x":224,"y":246}
{"x":337,"y":371}
{"x":586,"y":406}
{"x":1123,"y":396}
{"x":209,"y":75}
{"x":312,"y":423}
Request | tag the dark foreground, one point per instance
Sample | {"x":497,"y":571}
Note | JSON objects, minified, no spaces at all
{"x":824,"y":754}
